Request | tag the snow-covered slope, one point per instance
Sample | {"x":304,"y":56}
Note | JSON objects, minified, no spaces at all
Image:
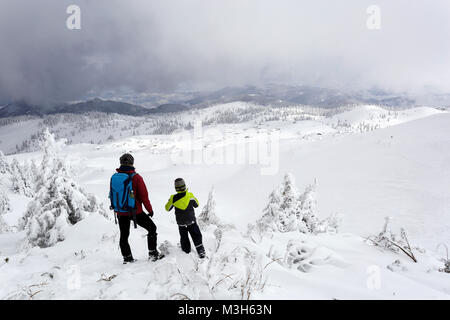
{"x":372,"y":117}
{"x":397,"y":166}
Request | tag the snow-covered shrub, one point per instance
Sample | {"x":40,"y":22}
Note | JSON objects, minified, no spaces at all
{"x":208,"y":215}
{"x":394,"y":242}
{"x":254,"y":233}
{"x":331,"y":224}
{"x":446,"y":269}
{"x":275,"y":255}
{"x":4,"y":228}
{"x":288,"y":211}
{"x":446,"y":261}
{"x":218,"y":234}
{"x":229,"y":272}
{"x":58,"y":203}
{"x":236,"y":274}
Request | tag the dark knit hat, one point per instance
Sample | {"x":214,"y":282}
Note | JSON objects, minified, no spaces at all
{"x":180,"y":185}
{"x":126,"y":160}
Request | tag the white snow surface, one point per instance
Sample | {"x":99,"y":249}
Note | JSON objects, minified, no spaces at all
{"x":369,"y":163}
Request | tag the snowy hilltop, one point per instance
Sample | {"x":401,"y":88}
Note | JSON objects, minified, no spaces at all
{"x":294,"y":203}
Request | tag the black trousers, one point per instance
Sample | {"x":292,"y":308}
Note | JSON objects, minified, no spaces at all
{"x":143,"y":221}
{"x":196,"y":236}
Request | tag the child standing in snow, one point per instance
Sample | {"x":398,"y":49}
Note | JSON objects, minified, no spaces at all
{"x":184,"y":203}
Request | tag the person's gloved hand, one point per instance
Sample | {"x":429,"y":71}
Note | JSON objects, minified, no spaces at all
{"x":150,"y":214}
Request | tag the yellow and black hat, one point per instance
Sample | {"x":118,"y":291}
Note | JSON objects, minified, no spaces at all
{"x":180,"y":185}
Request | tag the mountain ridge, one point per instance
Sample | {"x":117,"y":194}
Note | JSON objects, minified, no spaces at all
{"x":278,"y":95}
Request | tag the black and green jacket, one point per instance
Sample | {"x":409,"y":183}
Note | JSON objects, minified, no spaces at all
{"x":184,"y":203}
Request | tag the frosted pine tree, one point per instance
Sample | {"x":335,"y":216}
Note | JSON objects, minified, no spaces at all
{"x":59,"y":202}
{"x":4,"y":203}
{"x":22,"y":180}
{"x":51,"y":149}
{"x":268,"y":220}
{"x":208,"y":214}
{"x":4,"y":164}
{"x":4,"y":208}
{"x":306,"y":216}
{"x":288,"y":211}
{"x":281,"y":213}
{"x":34,"y":171}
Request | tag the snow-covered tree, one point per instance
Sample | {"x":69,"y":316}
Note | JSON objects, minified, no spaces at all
{"x":289,"y":211}
{"x":59,"y":202}
{"x":4,"y":164}
{"x":208,"y":215}
{"x":4,"y":203}
{"x":22,"y":179}
{"x":281,"y":213}
{"x":306,"y":216}
{"x":52,"y":154}
{"x":4,"y":208}
{"x":34,"y":171}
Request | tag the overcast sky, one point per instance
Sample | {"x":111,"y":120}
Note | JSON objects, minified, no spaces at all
{"x":204,"y":44}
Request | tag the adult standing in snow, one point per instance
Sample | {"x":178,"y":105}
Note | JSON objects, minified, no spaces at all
{"x":128,"y":193}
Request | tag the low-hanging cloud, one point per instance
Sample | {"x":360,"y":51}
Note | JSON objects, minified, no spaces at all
{"x":147,"y":45}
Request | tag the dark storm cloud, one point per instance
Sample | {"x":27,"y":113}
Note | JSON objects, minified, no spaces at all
{"x":162,"y":45}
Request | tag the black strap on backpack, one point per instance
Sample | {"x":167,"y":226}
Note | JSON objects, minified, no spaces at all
{"x":111,"y":206}
{"x":133,"y":210}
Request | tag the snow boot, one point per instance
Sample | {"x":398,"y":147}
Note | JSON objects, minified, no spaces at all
{"x":202,"y":255}
{"x":154,"y":255}
{"x":128,"y":259}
